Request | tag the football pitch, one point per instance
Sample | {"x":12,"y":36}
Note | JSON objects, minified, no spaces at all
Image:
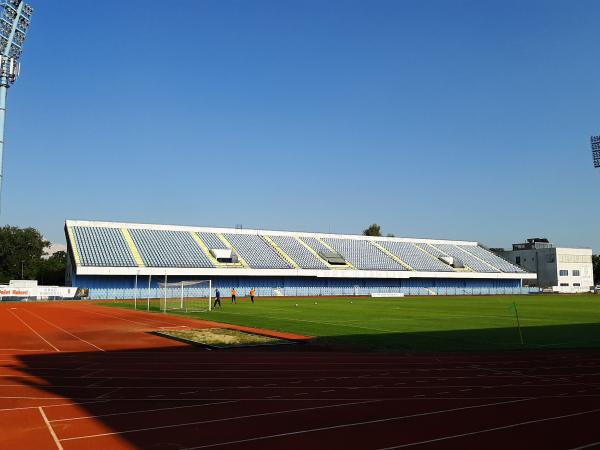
{"x":435,"y":323}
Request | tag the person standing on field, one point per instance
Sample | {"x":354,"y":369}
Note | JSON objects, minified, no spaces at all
{"x":217,"y":299}
{"x":233,"y":293}
{"x":252,"y":295}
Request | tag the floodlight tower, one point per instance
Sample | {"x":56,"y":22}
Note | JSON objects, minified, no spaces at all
{"x":596,"y":150}
{"x":15,"y":16}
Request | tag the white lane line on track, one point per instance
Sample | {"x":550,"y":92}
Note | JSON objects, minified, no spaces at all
{"x":53,"y":406}
{"x":108,"y":393}
{"x":487,"y":430}
{"x":248,"y":416}
{"x":281,"y":378}
{"x":50,"y":429}
{"x":258,"y":387}
{"x":99,"y":382}
{"x":146,"y":324}
{"x":142,"y":411}
{"x":19,"y":350}
{"x":593,"y":444}
{"x":89,"y":375}
{"x":354,"y":424}
{"x":83,"y":400}
{"x":37,"y":334}
{"x":63,"y":330}
{"x":134,"y":321}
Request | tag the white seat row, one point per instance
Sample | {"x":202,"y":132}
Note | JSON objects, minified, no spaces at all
{"x":300,"y":254}
{"x":414,"y":257}
{"x":167,"y":248}
{"x":363,"y":255}
{"x":492,"y":259}
{"x":256,"y":251}
{"x":467,"y":258}
{"x":103,"y":247}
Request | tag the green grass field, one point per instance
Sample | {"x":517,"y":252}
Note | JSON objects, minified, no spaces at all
{"x":422,"y":323}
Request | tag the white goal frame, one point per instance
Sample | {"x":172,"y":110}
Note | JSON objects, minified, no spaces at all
{"x":181,"y":302}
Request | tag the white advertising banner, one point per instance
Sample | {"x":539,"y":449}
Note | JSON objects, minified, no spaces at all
{"x":38,"y":292}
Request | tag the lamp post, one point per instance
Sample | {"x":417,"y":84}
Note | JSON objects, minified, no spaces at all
{"x":15,"y":16}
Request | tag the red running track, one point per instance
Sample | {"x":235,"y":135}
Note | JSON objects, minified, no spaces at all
{"x":82,"y":376}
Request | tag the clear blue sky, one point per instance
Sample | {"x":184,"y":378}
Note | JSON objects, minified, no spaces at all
{"x":444,"y":119}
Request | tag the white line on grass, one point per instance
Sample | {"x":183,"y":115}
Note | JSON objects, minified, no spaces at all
{"x":486,"y":430}
{"x":56,"y":440}
{"x":354,"y":424}
{"x":248,"y":416}
{"x":37,"y":334}
{"x":424,"y":334}
{"x":63,"y":330}
{"x":314,"y":321}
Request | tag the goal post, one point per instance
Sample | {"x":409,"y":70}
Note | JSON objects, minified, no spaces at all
{"x":186,"y":296}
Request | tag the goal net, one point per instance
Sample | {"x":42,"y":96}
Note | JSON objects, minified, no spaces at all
{"x":188,"y":296}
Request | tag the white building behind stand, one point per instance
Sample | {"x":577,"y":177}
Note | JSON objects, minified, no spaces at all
{"x":562,"y":269}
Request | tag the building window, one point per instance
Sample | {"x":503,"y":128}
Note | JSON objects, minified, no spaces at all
{"x":576,"y":273}
{"x":564,"y":273}
{"x":576,"y":284}
{"x":518,"y":260}
{"x":564,"y":284}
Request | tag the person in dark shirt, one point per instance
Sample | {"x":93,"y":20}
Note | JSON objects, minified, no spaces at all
{"x":217,"y":299}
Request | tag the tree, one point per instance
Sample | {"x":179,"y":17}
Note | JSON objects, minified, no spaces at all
{"x":51,"y":271}
{"x":596,"y":268}
{"x":20,"y":252}
{"x":373,"y":230}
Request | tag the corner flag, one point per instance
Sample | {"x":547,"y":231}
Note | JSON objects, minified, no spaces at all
{"x":511,"y":308}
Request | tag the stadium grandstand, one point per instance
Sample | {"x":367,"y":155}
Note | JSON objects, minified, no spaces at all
{"x":123,"y":260}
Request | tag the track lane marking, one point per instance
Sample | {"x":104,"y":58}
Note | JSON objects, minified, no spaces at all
{"x":593,"y":444}
{"x":162,"y":427}
{"x":112,"y":391}
{"x":487,"y":430}
{"x":145,"y":324}
{"x":142,"y":411}
{"x":50,"y":429}
{"x":82,"y":400}
{"x":63,"y":330}
{"x":38,"y":334}
{"x":19,"y":350}
{"x":262,"y":388}
{"x":51,"y":406}
{"x":354,"y":424}
{"x":130,"y":320}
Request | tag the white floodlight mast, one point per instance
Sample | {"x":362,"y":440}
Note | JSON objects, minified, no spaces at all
{"x":15,"y":16}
